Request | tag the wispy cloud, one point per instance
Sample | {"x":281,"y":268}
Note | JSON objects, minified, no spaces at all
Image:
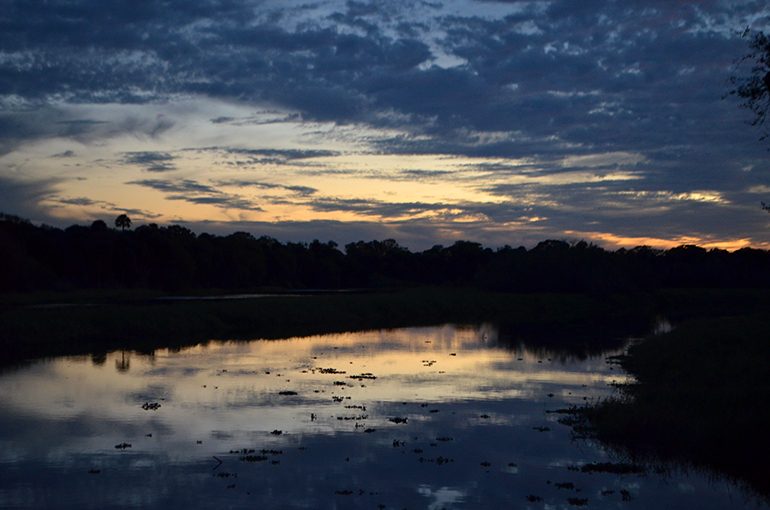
{"x":195,"y":193}
{"x":299,"y":190}
{"x":151,"y":161}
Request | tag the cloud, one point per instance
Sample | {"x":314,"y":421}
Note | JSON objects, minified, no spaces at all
{"x":37,"y":121}
{"x":195,"y":193}
{"x":299,"y":190}
{"x":284,"y":154}
{"x":27,"y":198}
{"x":579,"y":72}
{"x":65,"y":154}
{"x":83,"y":201}
{"x":150,"y":160}
{"x":499,"y":81}
{"x":261,"y":157}
{"x":178,"y":186}
{"x":109,"y":207}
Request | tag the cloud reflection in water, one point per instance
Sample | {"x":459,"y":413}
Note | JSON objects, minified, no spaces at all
{"x":412,"y":418}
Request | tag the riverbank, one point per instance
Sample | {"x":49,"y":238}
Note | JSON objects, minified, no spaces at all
{"x":80,"y":324}
{"x":698,"y":399}
{"x":54,"y":324}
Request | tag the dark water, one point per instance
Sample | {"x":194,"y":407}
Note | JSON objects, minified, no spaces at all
{"x":437,"y":418}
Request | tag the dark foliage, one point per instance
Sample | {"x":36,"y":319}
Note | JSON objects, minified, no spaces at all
{"x":123,"y":222}
{"x":698,"y":396}
{"x":754,"y":89}
{"x":174,"y":259}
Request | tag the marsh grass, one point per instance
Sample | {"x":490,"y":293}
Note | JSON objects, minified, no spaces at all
{"x":700,"y":395}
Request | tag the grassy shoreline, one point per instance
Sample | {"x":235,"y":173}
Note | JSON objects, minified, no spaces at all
{"x":104,"y":321}
{"x":108,"y":322}
{"x":698,"y":400}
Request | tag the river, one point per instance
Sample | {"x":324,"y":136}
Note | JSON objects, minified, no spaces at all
{"x":441,"y":417}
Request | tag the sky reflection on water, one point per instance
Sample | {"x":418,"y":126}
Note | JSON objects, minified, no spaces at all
{"x":447,"y":419}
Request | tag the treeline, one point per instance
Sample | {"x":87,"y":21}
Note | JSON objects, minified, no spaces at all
{"x":174,"y":259}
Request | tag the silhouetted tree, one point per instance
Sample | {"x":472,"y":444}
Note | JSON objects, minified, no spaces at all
{"x":754,"y":89}
{"x":123,"y":222}
{"x":175,"y":259}
{"x":99,"y":226}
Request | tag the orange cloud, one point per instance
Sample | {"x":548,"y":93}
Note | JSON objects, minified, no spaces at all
{"x":613,"y":241}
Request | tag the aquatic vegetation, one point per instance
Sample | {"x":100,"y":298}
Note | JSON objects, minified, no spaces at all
{"x":693,"y":400}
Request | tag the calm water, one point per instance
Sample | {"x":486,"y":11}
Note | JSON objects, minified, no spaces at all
{"x":438,"y":418}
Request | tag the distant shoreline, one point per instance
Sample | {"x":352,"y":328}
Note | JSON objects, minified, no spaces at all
{"x":53,"y":324}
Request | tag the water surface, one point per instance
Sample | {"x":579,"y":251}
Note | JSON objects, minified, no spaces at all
{"x":443,"y":417}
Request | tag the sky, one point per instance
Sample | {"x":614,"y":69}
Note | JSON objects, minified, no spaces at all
{"x":500,"y":122}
